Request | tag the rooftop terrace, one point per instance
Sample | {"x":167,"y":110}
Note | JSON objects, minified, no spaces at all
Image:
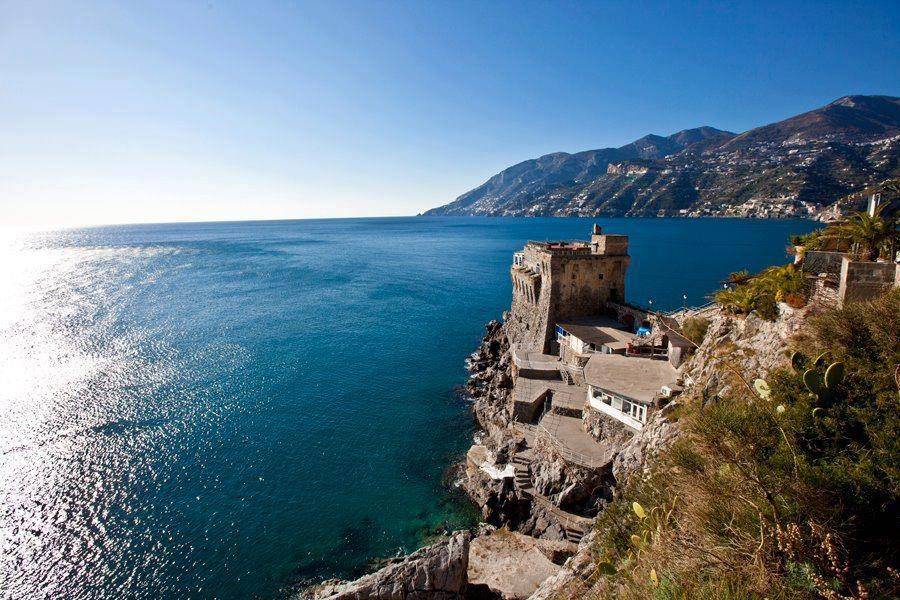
{"x":534,"y":361}
{"x":599,"y":331}
{"x":562,"y":247}
{"x":631,"y":378}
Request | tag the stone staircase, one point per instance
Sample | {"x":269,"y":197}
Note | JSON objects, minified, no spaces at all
{"x":522,"y":469}
{"x":574,"y":526}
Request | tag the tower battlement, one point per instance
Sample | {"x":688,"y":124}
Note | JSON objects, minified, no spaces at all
{"x":561,"y":280}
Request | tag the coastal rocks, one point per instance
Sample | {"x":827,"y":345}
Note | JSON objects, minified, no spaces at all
{"x":510,"y":564}
{"x":436,"y":572}
{"x":606,"y":430}
{"x":660,"y":431}
{"x":495,"y":496}
{"x":569,"y":486}
{"x":490,"y":383}
{"x":570,"y":581}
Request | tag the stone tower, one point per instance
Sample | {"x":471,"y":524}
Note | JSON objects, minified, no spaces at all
{"x":553,"y":281}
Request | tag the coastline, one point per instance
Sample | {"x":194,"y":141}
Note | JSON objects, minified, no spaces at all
{"x":571,"y":406}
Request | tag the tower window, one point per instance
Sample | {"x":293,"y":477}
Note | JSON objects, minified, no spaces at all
{"x":601,"y":276}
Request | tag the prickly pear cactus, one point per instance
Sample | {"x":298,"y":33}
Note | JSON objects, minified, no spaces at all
{"x":834,"y":375}
{"x":813,"y":381}
{"x":823,"y":384}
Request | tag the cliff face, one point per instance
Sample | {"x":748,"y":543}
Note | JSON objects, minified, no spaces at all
{"x":791,"y":168}
{"x":746,"y":344}
{"x":557,"y":481}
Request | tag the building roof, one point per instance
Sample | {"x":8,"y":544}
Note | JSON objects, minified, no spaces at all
{"x":633,"y":378}
{"x":600,"y":331}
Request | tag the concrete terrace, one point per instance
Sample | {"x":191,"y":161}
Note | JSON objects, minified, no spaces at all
{"x":534,"y":361}
{"x":566,"y":434}
{"x":574,"y":443}
{"x":638,"y":379}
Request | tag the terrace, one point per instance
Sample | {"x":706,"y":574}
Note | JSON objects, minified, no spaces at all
{"x":626,"y":388}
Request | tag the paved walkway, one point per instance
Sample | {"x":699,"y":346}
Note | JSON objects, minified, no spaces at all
{"x":533,"y":360}
{"x":569,"y":397}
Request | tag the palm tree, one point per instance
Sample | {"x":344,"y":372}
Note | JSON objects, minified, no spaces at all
{"x":867,"y":234}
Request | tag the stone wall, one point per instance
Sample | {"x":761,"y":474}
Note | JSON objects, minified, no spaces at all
{"x":862,"y":280}
{"x":554,"y":285}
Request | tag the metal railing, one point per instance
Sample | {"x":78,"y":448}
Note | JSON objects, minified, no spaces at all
{"x":567,"y":453}
{"x":568,"y":519}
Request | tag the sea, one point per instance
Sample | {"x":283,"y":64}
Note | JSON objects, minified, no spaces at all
{"x":234,"y":410}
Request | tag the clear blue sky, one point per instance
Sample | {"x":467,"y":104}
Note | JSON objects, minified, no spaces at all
{"x":171,"y":111}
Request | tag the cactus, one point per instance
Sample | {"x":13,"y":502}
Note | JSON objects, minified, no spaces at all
{"x":821,"y":359}
{"x":637,"y":541}
{"x":654,"y":580}
{"x":824,"y":385}
{"x":834,"y":375}
{"x":762,"y":389}
{"x":798,"y":361}
{"x":813,"y":381}
{"x":638,"y":510}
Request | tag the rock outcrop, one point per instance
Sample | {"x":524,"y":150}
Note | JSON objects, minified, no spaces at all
{"x":436,"y":572}
{"x":490,"y":382}
{"x":512,"y":565}
{"x":571,"y":487}
{"x":536,"y":561}
{"x":746,"y":344}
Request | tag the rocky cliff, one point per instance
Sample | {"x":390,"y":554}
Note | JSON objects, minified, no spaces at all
{"x":791,"y":168}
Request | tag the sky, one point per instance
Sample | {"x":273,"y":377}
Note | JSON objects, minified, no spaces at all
{"x":132,"y":112}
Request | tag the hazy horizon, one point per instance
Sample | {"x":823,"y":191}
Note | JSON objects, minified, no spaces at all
{"x":163,"y":112}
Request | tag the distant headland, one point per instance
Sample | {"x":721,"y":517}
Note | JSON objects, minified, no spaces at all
{"x":797,"y":167}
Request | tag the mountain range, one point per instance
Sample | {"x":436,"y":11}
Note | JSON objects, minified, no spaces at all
{"x":792,"y":168}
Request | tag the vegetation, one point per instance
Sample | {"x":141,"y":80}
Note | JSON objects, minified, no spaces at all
{"x":694,"y":329}
{"x":811,"y":240}
{"x":786,"y":489}
{"x":761,"y":292}
{"x":868,"y":236}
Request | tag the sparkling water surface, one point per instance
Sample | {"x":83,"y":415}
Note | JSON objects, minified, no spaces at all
{"x":230,"y":409}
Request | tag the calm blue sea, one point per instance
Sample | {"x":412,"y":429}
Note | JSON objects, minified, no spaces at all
{"x":228,"y":409}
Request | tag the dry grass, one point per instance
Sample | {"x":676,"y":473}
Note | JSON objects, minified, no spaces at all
{"x":768,"y":499}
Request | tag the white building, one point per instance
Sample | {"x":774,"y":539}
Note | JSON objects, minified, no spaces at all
{"x":628,"y":388}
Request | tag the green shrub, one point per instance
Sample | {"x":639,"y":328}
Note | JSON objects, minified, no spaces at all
{"x":763,"y":291}
{"x":694,"y":329}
